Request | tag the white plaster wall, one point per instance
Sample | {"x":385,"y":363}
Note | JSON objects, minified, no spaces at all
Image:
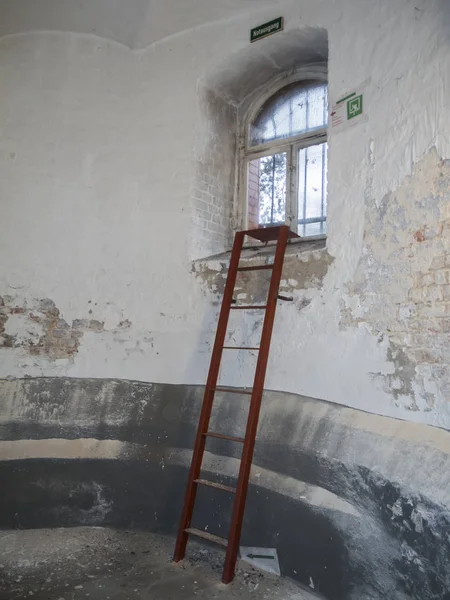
{"x":96,"y":145}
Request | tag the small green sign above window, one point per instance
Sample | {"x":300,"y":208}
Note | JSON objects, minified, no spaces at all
{"x":354,"y":107}
{"x":266,"y":29}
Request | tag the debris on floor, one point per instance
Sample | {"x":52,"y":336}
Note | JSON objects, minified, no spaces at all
{"x":95,"y":563}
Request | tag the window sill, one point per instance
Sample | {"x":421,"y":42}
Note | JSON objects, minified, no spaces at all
{"x":305,"y":266}
{"x":294,"y":247}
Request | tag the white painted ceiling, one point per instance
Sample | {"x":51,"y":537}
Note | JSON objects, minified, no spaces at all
{"x":139,"y":23}
{"x":253,"y":66}
{"x":136,"y":23}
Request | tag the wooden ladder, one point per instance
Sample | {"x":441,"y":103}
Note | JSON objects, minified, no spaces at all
{"x":281,"y":235}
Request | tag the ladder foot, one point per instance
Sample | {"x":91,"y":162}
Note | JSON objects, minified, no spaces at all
{"x":180,"y":547}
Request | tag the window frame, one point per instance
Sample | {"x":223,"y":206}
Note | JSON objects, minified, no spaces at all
{"x":290,"y":145}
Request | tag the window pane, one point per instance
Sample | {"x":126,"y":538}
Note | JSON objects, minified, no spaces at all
{"x":312,"y":190}
{"x":296,"y":108}
{"x":266,"y":196}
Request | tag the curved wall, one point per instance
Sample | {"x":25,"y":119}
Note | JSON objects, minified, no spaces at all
{"x":118,"y":170}
{"x":117,"y":180}
{"x":357,"y":503}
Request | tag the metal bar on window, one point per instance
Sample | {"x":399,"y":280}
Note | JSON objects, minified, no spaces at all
{"x":274,"y":125}
{"x":325,"y":121}
{"x":291,"y":198}
{"x":273,"y":188}
{"x":307,"y":109}
{"x":311,"y":220}
{"x":305,"y":184}
{"x":323,"y":184}
{"x":291,"y":112}
{"x":303,"y":141}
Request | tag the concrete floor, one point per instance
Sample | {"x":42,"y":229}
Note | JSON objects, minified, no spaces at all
{"x":95,"y":563}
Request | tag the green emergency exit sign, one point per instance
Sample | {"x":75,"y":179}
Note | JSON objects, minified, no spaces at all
{"x":262,"y":31}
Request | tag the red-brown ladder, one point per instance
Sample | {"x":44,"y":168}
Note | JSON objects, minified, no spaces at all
{"x":281,"y":234}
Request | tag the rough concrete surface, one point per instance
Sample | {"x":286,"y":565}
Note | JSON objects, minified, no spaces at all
{"x":356,"y":503}
{"x":106,"y":564}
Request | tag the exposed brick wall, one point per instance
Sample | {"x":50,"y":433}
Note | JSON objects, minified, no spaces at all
{"x":213,"y":185}
{"x":401,"y":289}
{"x":38,"y":328}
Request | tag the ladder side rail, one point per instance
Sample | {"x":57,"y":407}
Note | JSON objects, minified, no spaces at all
{"x":205,"y":415}
{"x":255,"y":405}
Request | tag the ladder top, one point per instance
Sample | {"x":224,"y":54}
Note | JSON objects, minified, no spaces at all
{"x":268,"y":234}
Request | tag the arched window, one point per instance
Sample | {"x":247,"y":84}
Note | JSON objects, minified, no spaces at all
{"x":286,"y":159}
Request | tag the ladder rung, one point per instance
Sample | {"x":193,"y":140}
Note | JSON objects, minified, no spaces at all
{"x":249,"y":307}
{"x":207,"y":536}
{"x":221,"y":436}
{"x":234,"y":390}
{"x":257,"y":268}
{"x":217,"y":486}
{"x":240,"y":348}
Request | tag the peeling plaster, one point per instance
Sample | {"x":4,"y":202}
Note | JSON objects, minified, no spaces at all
{"x":87,"y":218}
{"x":401,"y":288}
{"x":304,"y":268}
{"x":37,"y":327}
